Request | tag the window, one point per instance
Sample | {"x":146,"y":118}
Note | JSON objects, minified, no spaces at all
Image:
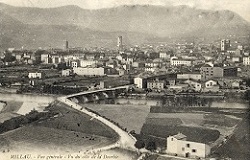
{"x":183,"y":149}
{"x":188,"y":145}
{"x":172,"y":139}
{"x":194,"y":150}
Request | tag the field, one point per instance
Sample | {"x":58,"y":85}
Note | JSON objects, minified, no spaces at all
{"x":128,"y":116}
{"x":30,"y":138}
{"x":193,"y":119}
{"x":69,"y":130}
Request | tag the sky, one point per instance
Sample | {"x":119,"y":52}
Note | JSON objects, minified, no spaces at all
{"x":242,"y":7}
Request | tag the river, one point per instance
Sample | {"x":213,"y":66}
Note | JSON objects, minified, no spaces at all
{"x":29,"y":101}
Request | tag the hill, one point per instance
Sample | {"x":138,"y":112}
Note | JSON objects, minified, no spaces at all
{"x":137,"y":23}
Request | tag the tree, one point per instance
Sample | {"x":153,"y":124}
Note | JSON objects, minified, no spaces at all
{"x":151,"y":146}
{"x":8,"y":57}
{"x":139,"y":144}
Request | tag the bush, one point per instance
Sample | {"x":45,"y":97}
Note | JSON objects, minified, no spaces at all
{"x":139,"y":144}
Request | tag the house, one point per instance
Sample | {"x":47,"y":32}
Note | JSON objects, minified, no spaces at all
{"x":191,"y":75}
{"x":164,"y":55}
{"x":75,"y":64}
{"x":246,"y":60}
{"x":33,"y":75}
{"x":196,"y":85}
{"x":89,"y":71}
{"x":67,"y":72}
{"x":156,"y":84}
{"x":211,"y":85}
{"x":175,"y":61}
{"x":140,"y":82}
{"x":207,"y":72}
{"x":179,"y":146}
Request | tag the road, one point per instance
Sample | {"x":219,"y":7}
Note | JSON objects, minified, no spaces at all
{"x":125,"y":141}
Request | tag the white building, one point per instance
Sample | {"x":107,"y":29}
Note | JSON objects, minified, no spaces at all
{"x":194,"y":76}
{"x":38,"y":75}
{"x":210,"y":83}
{"x":75,"y":64}
{"x":179,"y":146}
{"x":164,"y":55}
{"x":194,"y":84}
{"x":66,"y":72}
{"x":175,"y":61}
{"x":85,"y":63}
{"x":246,"y":61}
{"x":89,"y":71}
{"x":140,"y":82}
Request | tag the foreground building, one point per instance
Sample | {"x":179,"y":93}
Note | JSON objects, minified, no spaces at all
{"x":179,"y":146}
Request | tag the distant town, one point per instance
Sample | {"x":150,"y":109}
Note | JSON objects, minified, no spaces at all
{"x":192,"y":99}
{"x":219,"y":67}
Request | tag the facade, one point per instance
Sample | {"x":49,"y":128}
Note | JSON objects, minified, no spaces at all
{"x":37,"y":75}
{"x":194,"y":76}
{"x":75,"y":64}
{"x":194,"y":84}
{"x":89,"y":71}
{"x":246,"y":61}
{"x":156,"y":84}
{"x":208,"y":72}
{"x":140,"y":82}
{"x":175,"y":61}
{"x":164,"y":55}
{"x":210,"y":83}
{"x":225,"y":45}
{"x":85,"y":63}
{"x":66,"y":72}
{"x":179,"y":146}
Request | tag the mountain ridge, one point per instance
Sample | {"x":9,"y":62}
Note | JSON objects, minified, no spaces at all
{"x":142,"y":20}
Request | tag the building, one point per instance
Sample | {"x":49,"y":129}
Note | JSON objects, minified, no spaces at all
{"x":75,"y":64}
{"x":211,"y":85}
{"x":67,"y":72}
{"x":33,"y":75}
{"x":140,"y":82}
{"x":179,"y":146}
{"x":85,"y":63}
{"x":194,"y":76}
{"x":88,"y":71}
{"x":246,"y":61}
{"x":175,"y":61}
{"x":196,"y":85}
{"x":66,"y":45}
{"x":156,"y":84}
{"x":208,"y":72}
{"x":224,"y":45}
{"x":119,"y":43}
{"x":164,"y":55}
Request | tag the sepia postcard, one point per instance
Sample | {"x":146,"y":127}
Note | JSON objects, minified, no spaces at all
{"x":124,"y":79}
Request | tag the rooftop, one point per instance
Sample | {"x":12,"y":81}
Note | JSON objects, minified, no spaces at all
{"x":180,"y":136}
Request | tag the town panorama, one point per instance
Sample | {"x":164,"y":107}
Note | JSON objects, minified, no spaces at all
{"x":131,"y":82}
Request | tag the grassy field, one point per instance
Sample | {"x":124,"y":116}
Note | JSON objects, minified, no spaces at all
{"x":69,"y":130}
{"x":73,"y":120}
{"x":128,"y":116}
{"x":35,"y":137}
